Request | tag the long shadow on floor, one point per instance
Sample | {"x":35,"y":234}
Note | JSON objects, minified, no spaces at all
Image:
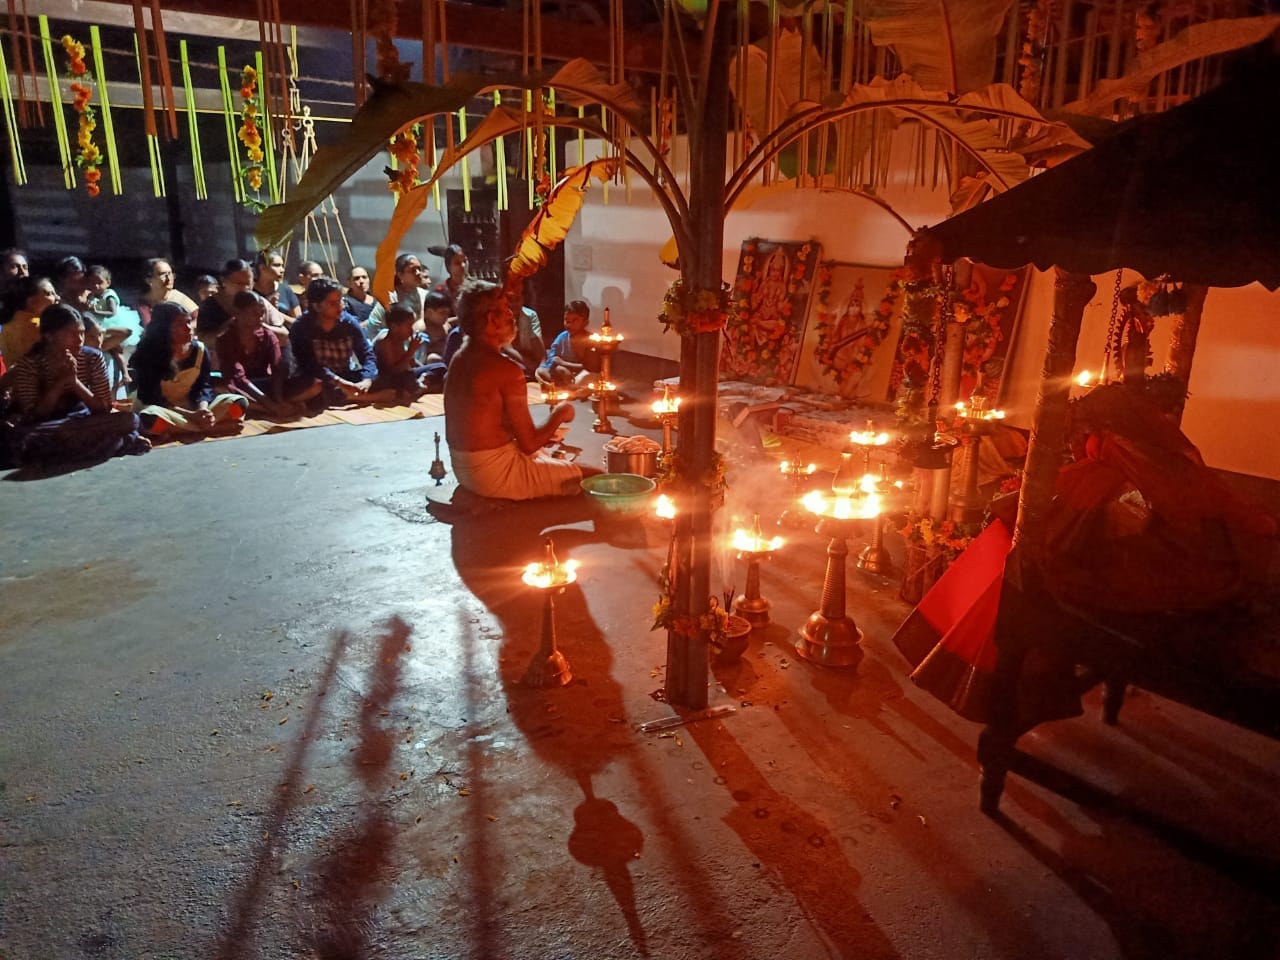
{"x":582,"y":728}
{"x":237,"y":935}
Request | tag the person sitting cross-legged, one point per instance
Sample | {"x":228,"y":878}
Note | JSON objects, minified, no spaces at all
{"x":171,"y":370}
{"x":494,"y":444}
{"x":64,"y":397}
{"x":251,"y":361}
{"x":330,"y":347}
{"x":571,"y":360}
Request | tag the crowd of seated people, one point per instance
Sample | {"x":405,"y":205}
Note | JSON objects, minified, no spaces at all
{"x":89,"y":370}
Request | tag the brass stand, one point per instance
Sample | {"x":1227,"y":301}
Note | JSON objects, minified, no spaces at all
{"x":751,"y":606}
{"x":601,"y":400}
{"x":795,"y":516}
{"x":970,"y":505}
{"x":549,"y":667}
{"x":437,"y":471}
{"x":830,"y":637}
{"x":874,"y":558}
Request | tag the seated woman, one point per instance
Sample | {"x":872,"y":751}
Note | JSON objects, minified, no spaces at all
{"x":159,"y":289}
{"x":250,"y":358}
{"x":395,"y":349}
{"x":26,"y":300}
{"x":171,"y":370}
{"x":64,"y":399}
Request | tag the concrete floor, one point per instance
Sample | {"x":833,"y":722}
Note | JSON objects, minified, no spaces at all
{"x":256,"y":703}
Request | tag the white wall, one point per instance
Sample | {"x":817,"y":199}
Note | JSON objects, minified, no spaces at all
{"x":612,"y":249}
{"x":612,"y":260}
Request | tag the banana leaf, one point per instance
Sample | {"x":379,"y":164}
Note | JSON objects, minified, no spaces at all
{"x":1197,"y":41}
{"x":550,"y":225}
{"x":391,"y":108}
{"x":947,"y":45}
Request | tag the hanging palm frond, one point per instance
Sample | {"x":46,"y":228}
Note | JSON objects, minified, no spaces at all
{"x":391,"y":108}
{"x":945,"y":45}
{"x":550,"y":225}
{"x":1194,"y":43}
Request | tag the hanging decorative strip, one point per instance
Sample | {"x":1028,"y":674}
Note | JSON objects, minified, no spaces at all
{"x":229,"y":114}
{"x":88,"y":156}
{"x":251,"y":171}
{"x":30,"y":107}
{"x":108,"y":128}
{"x":55,"y":95}
{"x":11,"y":123}
{"x":273,"y":183}
{"x":149,"y":121}
{"x":193,"y":128}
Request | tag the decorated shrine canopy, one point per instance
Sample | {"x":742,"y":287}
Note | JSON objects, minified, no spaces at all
{"x":1193,"y":192}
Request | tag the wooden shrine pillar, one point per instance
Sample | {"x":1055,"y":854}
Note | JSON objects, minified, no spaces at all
{"x":687,"y":671}
{"x":1182,"y":340}
{"x":1020,"y":618}
{"x":1071,"y":293}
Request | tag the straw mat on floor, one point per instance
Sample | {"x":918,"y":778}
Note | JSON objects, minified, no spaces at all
{"x":432,"y":405}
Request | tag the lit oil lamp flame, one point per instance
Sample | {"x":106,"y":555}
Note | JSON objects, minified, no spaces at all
{"x":746,"y":541}
{"x":865,"y":507}
{"x":976,"y":409}
{"x":1085,"y":379}
{"x":554,"y":396}
{"x":868,"y":438}
{"x":787,"y":467}
{"x":666,"y":405}
{"x":603,"y":386}
{"x":544,"y":576}
{"x":606,"y":334}
{"x":665,"y":507}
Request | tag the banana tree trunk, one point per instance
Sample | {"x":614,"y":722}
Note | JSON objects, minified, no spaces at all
{"x":699,"y":378}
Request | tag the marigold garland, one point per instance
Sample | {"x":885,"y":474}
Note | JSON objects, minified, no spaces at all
{"x":251,"y":136}
{"x":88,"y":156}
{"x":404,"y":148}
{"x":695,"y":311}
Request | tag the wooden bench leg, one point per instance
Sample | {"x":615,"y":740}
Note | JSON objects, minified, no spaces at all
{"x":995,"y":747}
{"x":1113,"y":692}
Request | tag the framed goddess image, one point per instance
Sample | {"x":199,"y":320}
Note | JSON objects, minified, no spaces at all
{"x":850,"y":338}
{"x":771,"y":299}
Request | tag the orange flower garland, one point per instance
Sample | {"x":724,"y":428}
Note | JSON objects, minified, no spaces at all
{"x":251,"y":136}
{"x":88,"y":157}
{"x":405,"y":150}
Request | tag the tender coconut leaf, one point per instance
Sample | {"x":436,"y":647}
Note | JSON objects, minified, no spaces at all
{"x":499,"y":123}
{"x":391,"y":108}
{"x":408,"y":208}
{"x":1194,"y":43}
{"x":945,"y":45}
{"x":550,"y":225}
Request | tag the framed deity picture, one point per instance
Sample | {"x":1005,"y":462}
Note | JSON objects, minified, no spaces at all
{"x":763,"y":336}
{"x":989,"y":305}
{"x":853,"y":327}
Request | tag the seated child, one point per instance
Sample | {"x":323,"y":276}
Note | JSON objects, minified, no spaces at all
{"x":395,"y":349}
{"x":436,"y":311}
{"x":252,"y":364}
{"x":104,"y":307}
{"x":570,"y":356}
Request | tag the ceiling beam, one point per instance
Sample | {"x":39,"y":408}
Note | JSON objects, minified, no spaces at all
{"x":478,"y":28}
